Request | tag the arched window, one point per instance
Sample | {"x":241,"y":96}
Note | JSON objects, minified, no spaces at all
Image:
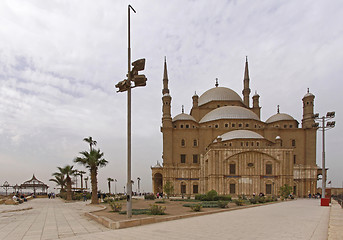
{"x":183,"y":142}
{"x":183,"y":188}
{"x":232,"y":188}
{"x":195,"y":188}
{"x":269,"y":169}
{"x":232,"y":169}
{"x":195,"y":143}
{"x":293,"y":142}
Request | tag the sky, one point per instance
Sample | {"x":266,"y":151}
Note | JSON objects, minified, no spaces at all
{"x":60,"y":60}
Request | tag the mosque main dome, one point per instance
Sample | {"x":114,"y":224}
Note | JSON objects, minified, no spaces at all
{"x":229,"y":112}
{"x":219,"y":94}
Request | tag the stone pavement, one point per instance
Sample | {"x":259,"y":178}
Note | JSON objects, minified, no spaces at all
{"x":48,"y":219}
{"x":300,"y":219}
{"x":54,"y":219}
{"x":336,"y":222}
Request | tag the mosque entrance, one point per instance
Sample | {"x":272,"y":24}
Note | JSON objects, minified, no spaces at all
{"x":158,"y":183}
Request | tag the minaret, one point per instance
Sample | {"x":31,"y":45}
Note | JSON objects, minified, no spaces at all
{"x":166,"y":99}
{"x":195,"y":100}
{"x":308,"y":105}
{"x":246,"y":89}
{"x":256,"y":105}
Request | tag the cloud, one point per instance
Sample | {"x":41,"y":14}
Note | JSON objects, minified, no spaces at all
{"x":60,"y":60}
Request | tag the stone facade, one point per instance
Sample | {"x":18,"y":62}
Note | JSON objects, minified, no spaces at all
{"x":224,"y":145}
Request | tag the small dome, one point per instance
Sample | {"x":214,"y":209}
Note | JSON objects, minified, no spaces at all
{"x":277,"y":138}
{"x":158,"y":165}
{"x":183,"y":116}
{"x":308,"y":95}
{"x":219,"y":94}
{"x":229,"y":112}
{"x":240,"y":134}
{"x":279,"y":117}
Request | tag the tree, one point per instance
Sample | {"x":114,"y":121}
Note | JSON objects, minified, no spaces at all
{"x":109,"y":184}
{"x":59,"y":180}
{"x":67,"y":171}
{"x":91,"y":142}
{"x":92,"y":160}
{"x":168,"y":188}
{"x":285,"y":190}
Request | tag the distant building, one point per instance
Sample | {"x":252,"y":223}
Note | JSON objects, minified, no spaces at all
{"x":224,"y":145}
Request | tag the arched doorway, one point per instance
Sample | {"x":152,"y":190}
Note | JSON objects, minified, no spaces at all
{"x":158,"y":183}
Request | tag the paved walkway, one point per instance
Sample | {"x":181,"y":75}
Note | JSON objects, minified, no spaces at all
{"x":336,"y":222}
{"x":301,"y":219}
{"x":48,"y":219}
{"x":53,"y":219}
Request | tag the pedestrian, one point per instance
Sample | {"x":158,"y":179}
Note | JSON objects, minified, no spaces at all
{"x":84,"y":195}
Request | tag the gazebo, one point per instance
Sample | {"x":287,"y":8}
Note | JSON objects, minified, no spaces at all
{"x":35,"y":184}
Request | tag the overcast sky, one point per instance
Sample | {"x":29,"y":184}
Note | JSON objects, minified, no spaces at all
{"x":60,"y":60}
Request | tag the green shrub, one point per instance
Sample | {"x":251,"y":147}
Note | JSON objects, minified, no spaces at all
{"x":196,"y":207}
{"x":200,"y":197}
{"x":253,"y":200}
{"x":161,"y":201}
{"x":116,"y":207}
{"x":149,"y":197}
{"x":108,"y":199}
{"x":223,"y":198}
{"x":239,"y":202}
{"x":77,"y":196}
{"x":261,"y":199}
{"x":184,"y":200}
{"x":243,"y":197}
{"x":269,"y":199}
{"x":211,"y":195}
{"x":223,"y":204}
{"x":157,"y":210}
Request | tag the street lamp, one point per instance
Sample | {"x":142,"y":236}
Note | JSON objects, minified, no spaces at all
{"x":123,"y":86}
{"x":115,"y":187}
{"x":138,"y":180}
{"x":323,"y":127}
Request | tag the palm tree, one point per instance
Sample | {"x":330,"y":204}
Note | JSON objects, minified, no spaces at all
{"x":92,"y":160}
{"x":67,"y":171}
{"x":91,"y":142}
{"x":109,"y":184}
{"x":59,"y":180}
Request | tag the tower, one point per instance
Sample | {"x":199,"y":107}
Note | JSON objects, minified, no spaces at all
{"x":246,"y":89}
{"x":256,"y":105}
{"x":308,"y":105}
{"x":166,"y":99}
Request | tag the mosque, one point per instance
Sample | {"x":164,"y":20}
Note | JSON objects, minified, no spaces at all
{"x":224,"y":145}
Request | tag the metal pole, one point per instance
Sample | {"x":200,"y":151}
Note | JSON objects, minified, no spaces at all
{"x":323,"y":160}
{"x":129,"y":186}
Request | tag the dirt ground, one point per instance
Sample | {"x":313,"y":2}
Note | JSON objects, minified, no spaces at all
{"x":173,"y":208}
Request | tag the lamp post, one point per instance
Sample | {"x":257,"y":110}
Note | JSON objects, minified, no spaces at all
{"x":138,"y":180}
{"x":115,"y":187}
{"x":323,"y":127}
{"x":123,"y":86}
